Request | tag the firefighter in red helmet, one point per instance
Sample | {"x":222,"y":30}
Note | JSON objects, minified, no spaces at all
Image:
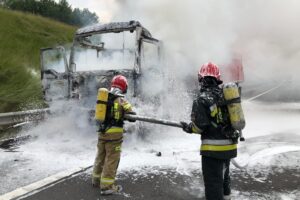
{"x":210,"y":118}
{"x":110,"y":138}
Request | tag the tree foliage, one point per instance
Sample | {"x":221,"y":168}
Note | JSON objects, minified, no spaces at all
{"x":61,"y":11}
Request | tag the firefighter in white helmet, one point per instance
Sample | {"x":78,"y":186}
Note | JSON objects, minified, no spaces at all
{"x":210,"y":118}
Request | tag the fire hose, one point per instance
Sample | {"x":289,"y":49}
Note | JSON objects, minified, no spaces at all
{"x":154,"y":120}
{"x":161,"y":122}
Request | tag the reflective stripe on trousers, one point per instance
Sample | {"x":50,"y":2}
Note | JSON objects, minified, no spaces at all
{"x":107,"y":181}
{"x":96,"y":175}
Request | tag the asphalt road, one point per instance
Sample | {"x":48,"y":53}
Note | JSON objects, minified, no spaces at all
{"x":168,"y":184}
{"x":281,"y":182}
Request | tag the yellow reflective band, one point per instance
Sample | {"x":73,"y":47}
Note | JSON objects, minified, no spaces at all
{"x":213,"y":110}
{"x":207,"y":147}
{"x":127,"y":106}
{"x":118,"y":148}
{"x":116,"y":105}
{"x":96,"y":175}
{"x":195,"y":129}
{"x":107,"y":181}
{"x":115,"y":130}
{"x":116,"y":110}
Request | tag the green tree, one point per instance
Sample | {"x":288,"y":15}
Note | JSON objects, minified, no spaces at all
{"x":87,"y":18}
{"x":61,"y":11}
{"x":64,"y":11}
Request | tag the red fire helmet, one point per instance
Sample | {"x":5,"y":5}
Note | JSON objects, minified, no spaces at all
{"x":209,"y":69}
{"x":120,"y":82}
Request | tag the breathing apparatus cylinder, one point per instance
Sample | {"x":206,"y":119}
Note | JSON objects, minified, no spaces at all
{"x":101,"y":106}
{"x":236,"y":115}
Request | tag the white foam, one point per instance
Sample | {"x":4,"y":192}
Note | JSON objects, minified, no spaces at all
{"x":68,"y":141}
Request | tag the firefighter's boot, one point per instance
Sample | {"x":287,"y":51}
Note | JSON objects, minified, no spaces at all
{"x":114,"y":189}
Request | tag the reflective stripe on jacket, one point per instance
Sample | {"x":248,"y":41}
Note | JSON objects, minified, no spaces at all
{"x":207,"y":147}
{"x":115,"y":130}
{"x":219,"y":148}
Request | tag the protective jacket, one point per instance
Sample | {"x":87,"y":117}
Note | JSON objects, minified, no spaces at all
{"x":210,"y":118}
{"x":112,"y":129}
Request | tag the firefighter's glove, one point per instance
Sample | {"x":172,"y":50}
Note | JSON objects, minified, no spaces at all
{"x":229,"y":132}
{"x":131,"y":113}
{"x":187,"y":127}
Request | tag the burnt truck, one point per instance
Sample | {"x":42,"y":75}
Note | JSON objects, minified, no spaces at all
{"x":98,"y":53}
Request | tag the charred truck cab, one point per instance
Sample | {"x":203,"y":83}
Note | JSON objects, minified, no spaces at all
{"x":98,"y":53}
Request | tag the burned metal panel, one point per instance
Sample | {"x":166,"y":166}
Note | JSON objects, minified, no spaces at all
{"x":55,"y":80}
{"x":61,"y":50}
{"x":55,"y":87}
{"x":112,"y":27}
{"x":86,"y":84}
{"x":137,"y":62}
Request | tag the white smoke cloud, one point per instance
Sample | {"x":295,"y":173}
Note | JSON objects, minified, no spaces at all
{"x":104,"y":9}
{"x":265,"y":33}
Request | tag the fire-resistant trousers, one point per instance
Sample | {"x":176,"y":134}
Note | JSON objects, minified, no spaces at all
{"x":107,"y":162}
{"x":216,"y":177}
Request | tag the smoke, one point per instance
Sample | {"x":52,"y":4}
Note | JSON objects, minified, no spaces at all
{"x":265,"y":33}
{"x":103,"y":8}
{"x":117,"y":53}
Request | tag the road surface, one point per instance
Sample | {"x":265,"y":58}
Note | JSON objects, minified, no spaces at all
{"x":168,"y":184}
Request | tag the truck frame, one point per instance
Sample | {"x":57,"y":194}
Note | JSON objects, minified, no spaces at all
{"x":66,"y":78}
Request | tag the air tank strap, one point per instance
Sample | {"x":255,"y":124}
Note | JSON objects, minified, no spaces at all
{"x":227,"y":102}
{"x":101,"y":102}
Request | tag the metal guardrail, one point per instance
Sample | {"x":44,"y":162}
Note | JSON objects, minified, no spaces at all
{"x":22,"y":116}
{"x":35,"y":115}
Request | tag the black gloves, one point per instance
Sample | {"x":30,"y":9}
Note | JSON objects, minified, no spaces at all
{"x":229,"y":132}
{"x":187,"y":127}
{"x":131,"y":113}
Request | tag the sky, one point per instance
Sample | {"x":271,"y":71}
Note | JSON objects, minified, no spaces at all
{"x":100,"y":7}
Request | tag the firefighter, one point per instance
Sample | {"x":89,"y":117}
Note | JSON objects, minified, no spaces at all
{"x":210,"y":118}
{"x":110,"y":137}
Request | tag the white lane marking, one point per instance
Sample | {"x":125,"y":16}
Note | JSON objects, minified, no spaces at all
{"x":42,"y":183}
